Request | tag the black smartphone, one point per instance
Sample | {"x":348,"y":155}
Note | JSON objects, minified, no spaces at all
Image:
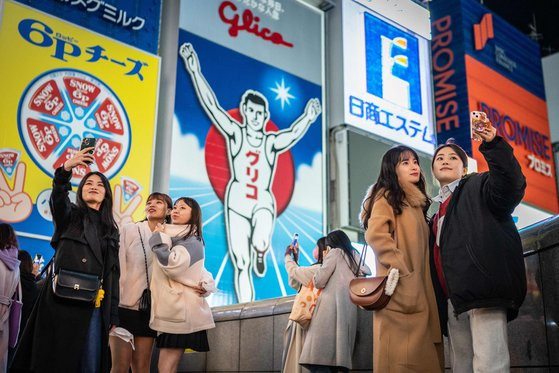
{"x":88,"y":142}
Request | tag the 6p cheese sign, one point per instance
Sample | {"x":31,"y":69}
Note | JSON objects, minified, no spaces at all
{"x":60,"y":84}
{"x":61,"y":107}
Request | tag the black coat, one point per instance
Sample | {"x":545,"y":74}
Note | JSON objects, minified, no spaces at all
{"x":54,"y":337}
{"x":29,"y":294}
{"x":481,"y":251}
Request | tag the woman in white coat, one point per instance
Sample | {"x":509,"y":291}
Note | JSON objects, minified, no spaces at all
{"x":132,"y":343}
{"x":330,"y":339}
{"x":179,"y":285}
{"x":9,"y":278}
{"x":294,"y":335}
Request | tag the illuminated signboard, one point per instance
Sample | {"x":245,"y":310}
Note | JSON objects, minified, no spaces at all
{"x":480,"y":62}
{"x":63,"y":83}
{"x":252,"y":155}
{"x":387,"y":77}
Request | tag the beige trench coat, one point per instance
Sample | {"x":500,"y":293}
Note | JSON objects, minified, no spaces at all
{"x":406,"y":333}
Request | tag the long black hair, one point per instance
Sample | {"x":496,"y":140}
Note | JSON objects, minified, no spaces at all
{"x":109,"y":228}
{"x":7,"y":237}
{"x":195,"y":217}
{"x":388,"y":183}
{"x":338,"y":239}
{"x":25,"y":261}
{"x":321,"y":244}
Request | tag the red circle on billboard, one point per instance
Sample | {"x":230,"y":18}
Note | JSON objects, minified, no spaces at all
{"x":217,"y":165}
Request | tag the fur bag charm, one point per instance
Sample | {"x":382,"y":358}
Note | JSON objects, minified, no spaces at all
{"x":145,"y":301}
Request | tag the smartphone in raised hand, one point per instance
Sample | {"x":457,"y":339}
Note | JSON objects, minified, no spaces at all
{"x":478,"y":122}
{"x":88,"y":142}
{"x":295,"y":240}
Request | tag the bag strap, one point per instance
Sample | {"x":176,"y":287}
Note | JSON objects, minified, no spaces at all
{"x":145,"y":256}
{"x":364,"y":250}
{"x":362,"y":257}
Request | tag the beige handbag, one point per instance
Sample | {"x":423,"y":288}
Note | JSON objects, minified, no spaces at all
{"x":304,"y":304}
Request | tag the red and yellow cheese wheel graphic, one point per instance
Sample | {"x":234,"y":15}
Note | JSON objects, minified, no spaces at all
{"x":61,"y":107}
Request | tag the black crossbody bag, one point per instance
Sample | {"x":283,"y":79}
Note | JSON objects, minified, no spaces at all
{"x":77,"y":286}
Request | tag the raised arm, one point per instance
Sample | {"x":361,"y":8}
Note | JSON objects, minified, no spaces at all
{"x":60,"y":205}
{"x":226,"y":125}
{"x":296,"y":275}
{"x":505,"y":184}
{"x":287,"y":138}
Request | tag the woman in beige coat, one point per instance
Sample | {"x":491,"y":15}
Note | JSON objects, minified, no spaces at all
{"x":406,"y":333}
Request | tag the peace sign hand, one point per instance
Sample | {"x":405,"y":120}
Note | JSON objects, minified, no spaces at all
{"x":123,"y":217}
{"x":81,"y":158}
{"x":15,"y":204}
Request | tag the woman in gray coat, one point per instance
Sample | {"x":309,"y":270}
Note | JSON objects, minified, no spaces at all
{"x":294,"y":335}
{"x":330,"y":339}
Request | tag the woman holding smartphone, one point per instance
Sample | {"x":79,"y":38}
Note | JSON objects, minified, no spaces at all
{"x":294,"y":335}
{"x":477,"y":263}
{"x":179,"y":285}
{"x":70,"y":335}
{"x":132,"y":343}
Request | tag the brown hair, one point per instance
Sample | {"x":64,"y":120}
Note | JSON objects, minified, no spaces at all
{"x":162,"y":197}
{"x":26,"y":263}
{"x":195,"y":217}
{"x":388,"y":184}
{"x":7,"y":237}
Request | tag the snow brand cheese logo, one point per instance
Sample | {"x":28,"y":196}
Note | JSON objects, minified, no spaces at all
{"x":61,"y":107}
{"x":9,"y":158}
{"x":130,"y":187}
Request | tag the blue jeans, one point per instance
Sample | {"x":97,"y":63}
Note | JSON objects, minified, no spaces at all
{"x":91,"y":355}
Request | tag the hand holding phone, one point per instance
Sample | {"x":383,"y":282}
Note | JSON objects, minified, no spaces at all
{"x":295,"y":239}
{"x":84,"y":157}
{"x":88,"y":142}
{"x":478,"y":121}
{"x":480,"y":127}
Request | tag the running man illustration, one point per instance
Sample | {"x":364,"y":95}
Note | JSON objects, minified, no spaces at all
{"x":250,"y":206}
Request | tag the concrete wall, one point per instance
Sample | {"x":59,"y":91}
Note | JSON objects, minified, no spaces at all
{"x":248,"y":337}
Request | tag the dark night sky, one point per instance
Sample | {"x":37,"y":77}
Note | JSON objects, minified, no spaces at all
{"x":520,"y":13}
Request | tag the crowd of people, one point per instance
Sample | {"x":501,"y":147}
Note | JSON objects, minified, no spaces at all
{"x":461,"y":271}
{"x":461,"y":274}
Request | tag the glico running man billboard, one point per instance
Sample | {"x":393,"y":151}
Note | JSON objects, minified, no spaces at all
{"x":248,"y":136}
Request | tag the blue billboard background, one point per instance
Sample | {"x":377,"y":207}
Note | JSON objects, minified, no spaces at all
{"x":374,"y":29}
{"x":134,"y":22}
{"x":519,"y":48}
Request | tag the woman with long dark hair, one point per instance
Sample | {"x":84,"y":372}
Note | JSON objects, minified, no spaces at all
{"x":406,"y":332}
{"x":66,"y":334}
{"x":294,"y":335}
{"x":179,"y":285}
{"x":329,"y":342}
{"x":132,"y":343}
{"x":9,"y":278}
